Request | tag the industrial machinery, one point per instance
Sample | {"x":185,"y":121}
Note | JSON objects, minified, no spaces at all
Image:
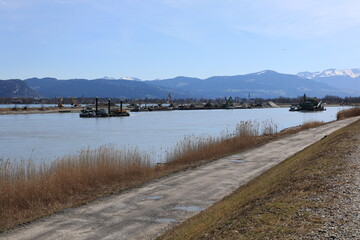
{"x":74,"y":103}
{"x":308,"y":104}
{"x":90,"y":112}
{"x":61,"y":103}
{"x":170,"y":100}
{"x":228,"y":104}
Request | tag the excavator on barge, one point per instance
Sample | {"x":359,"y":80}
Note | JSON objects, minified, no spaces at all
{"x":308,"y":104}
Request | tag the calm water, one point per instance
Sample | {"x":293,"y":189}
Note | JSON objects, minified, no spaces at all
{"x":44,"y":137}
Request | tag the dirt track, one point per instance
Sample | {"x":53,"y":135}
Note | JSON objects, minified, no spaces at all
{"x":146,"y":212}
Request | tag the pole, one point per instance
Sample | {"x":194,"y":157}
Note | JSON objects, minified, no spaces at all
{"x":121,"y":112}
{"x":96,"y":105}
{"x":109,"y":106}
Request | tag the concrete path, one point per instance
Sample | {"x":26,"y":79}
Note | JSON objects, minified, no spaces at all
{"x":146,"y":212}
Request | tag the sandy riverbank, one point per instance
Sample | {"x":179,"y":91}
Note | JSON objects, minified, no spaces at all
{"x":6,"y":111}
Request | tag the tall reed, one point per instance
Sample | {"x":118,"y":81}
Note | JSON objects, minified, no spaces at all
{"x":29,"y":190}
{"x":246,"y":135}
{"x":346,"y":113}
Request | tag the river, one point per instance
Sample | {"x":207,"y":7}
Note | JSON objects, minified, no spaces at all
{"x":45,"y":137}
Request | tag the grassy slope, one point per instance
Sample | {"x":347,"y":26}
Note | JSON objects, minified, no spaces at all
{"x":277,"y":204}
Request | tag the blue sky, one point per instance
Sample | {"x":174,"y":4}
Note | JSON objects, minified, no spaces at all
{"x":152,"y":39}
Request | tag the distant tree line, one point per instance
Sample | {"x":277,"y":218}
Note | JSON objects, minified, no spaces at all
{"x":82,"y":100}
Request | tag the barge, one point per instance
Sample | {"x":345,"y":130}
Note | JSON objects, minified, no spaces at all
{"x":90,"y":112}
{"x":308,"y":104}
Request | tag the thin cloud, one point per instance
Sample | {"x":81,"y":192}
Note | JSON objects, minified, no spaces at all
{"x":295,"y":19}
{"x":301,"y":19}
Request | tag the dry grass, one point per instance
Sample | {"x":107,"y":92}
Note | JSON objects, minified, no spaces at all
{"x":278,"y":204}
{"x":351,"y":112}
{"x":30,"y":110}
{"x":247,"y":135}
{"x":23,"y":109}
{"x":9,"y":110}
{"x":304,"y":126}
{"x":29,"y":191}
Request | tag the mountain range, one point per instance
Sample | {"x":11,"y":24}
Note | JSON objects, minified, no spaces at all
{"x":16,"y":88}
{"x":346,"y":79}
{"x":264,"y":84}
{"x":104,"y":87}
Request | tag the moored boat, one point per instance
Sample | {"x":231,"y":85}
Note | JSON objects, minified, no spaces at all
{"x":308,"y":104}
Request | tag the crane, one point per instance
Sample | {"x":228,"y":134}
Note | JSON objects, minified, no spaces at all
{"x":74,"y":103}
{"x":61,"y":103}
{"x":228,"y":103}
{"x":170,"y":100}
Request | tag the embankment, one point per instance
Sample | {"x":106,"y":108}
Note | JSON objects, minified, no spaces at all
{"x":163,"y":203}
{"x":25,"y":110}
{"x":311,"y":195}
{"x":32,"y":191}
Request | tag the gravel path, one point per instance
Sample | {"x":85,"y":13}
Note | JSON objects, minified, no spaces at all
{"x":343,"y":214}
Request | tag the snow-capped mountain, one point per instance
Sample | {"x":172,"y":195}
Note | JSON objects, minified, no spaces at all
{"x":264,"y":84}
{"x":352,"y":73}
{"x":346,"y":79}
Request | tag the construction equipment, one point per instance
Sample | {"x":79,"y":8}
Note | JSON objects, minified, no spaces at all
{"x":90,"y":112}
{"x":61,"y":103}
{"x":308,"y":104}
{"x":170,"y":100}
{"x":74,"y":103}
{"x":228,"y":104}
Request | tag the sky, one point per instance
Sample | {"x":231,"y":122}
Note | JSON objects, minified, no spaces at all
{"x":158,"y":39}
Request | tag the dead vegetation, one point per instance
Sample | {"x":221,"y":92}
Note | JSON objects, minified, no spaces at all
{"x":304,"y":126}
{"x":36,"y":110}
{"x":29,"y":191}
{"x":23,"y":109}
{"x":346,"y":113}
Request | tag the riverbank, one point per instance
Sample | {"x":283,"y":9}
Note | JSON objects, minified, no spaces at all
{"x":44,"y":110}
{"x":33,"y":110}
{"x":47,"y":109}
{"x":32,"y":192}
{"x":312,"y":195}
{"x":162,"y":203}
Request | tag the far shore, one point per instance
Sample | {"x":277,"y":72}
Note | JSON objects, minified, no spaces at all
{"x":42,"y":110}
{"x":37,"y":110}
